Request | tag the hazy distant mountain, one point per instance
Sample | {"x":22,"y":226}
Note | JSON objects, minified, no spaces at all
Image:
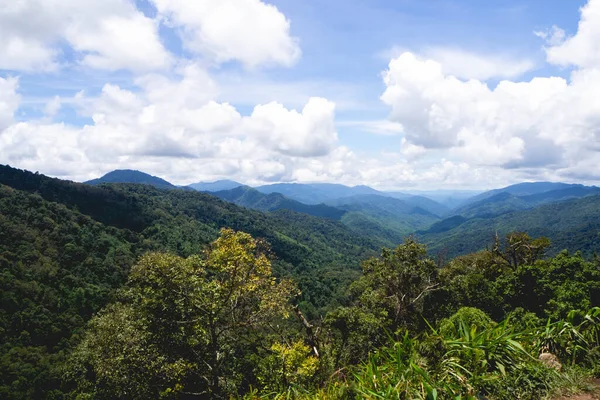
{"x":248,"y":197}
{"x":315,"y":193}
{"x":215,"y":186}
{"x":523,"y":189}
{"x":423,"y":202}
{"x":448,"y":198}
{"x":132,"y":176}
{"x":505,"y":201}
{"x":326,"y":193}
{"x":385,"y":218}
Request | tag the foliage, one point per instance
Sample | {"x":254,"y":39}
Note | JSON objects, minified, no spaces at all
{"x":200,"y":314}
{"x":181,"y":321}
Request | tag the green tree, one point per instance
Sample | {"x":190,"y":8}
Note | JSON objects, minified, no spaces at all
{"x":398,"y":281}
{"x":182,"y":323}
{"x":388,"y":296}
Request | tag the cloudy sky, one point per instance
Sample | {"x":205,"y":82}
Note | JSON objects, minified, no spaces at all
{"x":395,"y":94}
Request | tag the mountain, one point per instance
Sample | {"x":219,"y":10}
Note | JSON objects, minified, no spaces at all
{"x":423,"y":202}
{"x":215,"y":186}
{"x":449,"y":198}
{"x":383,"y":217}
{"x":570,"y":224}
{"x":522,"y":189}
{"x":504,"y":202}
{"x":248,"y":197}
{"x":132,"y":176}
{"x":387,"y":219}
{"x":315,"y":193}
{"x":65,"y":248}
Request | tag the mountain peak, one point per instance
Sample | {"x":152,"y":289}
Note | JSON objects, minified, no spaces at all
{"x":132,"y":176}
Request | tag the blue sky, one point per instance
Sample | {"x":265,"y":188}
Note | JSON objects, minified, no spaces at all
{"x":398,"y":94}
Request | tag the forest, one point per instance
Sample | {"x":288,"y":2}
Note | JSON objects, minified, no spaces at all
{"x":128,"y":291}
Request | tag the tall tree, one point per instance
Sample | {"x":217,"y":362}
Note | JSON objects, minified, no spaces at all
{"x":181,"y":321}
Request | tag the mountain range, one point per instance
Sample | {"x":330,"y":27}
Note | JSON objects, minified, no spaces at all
{"x":465,"y":222}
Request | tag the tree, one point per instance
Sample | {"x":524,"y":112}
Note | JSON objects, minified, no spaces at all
{"x":521,"y":249}
{"x":399,"y":280}
{"x":389,"y":295}
{"x":186,"y":319}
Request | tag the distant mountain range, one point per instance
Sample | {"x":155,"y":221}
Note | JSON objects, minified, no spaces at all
{"x":215,"y":186}
{"x":460,"y":222}
{"x":248,"y":197}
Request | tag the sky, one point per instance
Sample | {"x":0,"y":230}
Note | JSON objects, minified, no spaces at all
{"x":394,"y":94}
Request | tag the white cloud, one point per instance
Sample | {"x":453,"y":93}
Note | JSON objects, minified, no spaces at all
{"x":310,"y":133}
{"x":168,"y":119}
{"x":9,"y":101}
{"x":486,"y":126}
{"x":377,"y":127}
{"x":582,"y":49}
{"x":411,"y":151}
{"x":108,"y":34}
{"x":249,"y":31}
{"x":468,"y":65}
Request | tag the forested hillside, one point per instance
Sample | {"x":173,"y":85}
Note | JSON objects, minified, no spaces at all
{"x":107,"y":292}
{"x":248,"y":197}
{"x":65,"y":247}
{"x":571,"y":224}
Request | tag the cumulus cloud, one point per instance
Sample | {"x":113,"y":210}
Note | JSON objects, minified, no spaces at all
{"x":249,"y":31}
{"x":108,"y":34}
{"x":171,"y":119}
{"x":583,"y":48}
{"x":516,"y":124}
{"x":309,"y":133}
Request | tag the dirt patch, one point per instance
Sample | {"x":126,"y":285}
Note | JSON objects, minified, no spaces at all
{"x":584,"y":396}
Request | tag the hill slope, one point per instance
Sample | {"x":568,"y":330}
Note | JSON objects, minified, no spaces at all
{"x":248,"y":197}
{"x":329,"y":193}
{"x":571,"y":224}
{"x":382,"y":217}
{"x":522,"y":189}
{"x":66,"y":247}
{"x":504,"y":202}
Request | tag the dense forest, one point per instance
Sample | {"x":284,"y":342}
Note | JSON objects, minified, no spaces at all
{"x":128,"y":291}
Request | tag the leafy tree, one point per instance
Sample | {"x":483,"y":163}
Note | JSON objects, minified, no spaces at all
{"x":398,"y":281}
{"x":290,"y":364}
{"x":521,"y":249}
{"x":182,"y":323}
{"x":388,"y":296}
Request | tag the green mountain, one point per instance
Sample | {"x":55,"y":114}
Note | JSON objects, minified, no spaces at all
{"x":248,"y":197}
{"x":66,"y":247}
{"x":570,"y":224}
{"x":132,"y":176}
{"x":215,"y":186}
{"x":315,"y":193}
{"x":504,"y":202}
{"x":522,"y":189}
{"x":449,"y":198}
{"x":383,"y":217}
{"x":421,"y":202}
